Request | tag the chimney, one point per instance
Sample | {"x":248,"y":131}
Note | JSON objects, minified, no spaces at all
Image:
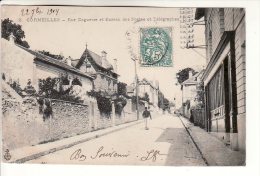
{"x":190,"y":74}
{"x":115,"y":65}
{"x":12,"y":38}
{"x":103,"y":57}
{"x":68,"y":61}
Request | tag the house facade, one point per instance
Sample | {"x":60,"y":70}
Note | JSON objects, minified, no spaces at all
{"x":189,"y":92}
{"x":105,"y":76}
{"x":225,"y":75}
{"x":152,"y":89}
{"x":22,"y":64}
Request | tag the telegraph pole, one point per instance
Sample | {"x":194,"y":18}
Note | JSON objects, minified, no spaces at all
{"x":136,"y":90}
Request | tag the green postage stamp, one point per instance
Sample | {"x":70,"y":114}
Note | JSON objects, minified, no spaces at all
{"x":156,"y":47}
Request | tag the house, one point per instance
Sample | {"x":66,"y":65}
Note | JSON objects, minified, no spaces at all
{"x":152,"y":89}
{"x":225,"y":75}
{"x":105,"y":76}
{"x":21,"y":65}
{"x":189,"y":91}
{"x":130,"y":89}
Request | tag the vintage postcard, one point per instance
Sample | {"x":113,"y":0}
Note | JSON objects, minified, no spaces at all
{"x":157,"y":86}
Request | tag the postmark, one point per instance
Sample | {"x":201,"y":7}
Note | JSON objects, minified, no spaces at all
{"x":156,"y":47}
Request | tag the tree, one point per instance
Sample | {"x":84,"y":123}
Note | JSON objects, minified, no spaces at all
{"x":183,"y":74}
{"x":9,"y":27}
{"x":50,"y":88}
{"x":146,"y":97}
{"x":122,"y":88}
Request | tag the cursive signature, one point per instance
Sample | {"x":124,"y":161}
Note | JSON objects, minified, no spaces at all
{"x":112,"y":154}
{"x":151,"y":155}
{"x":77,"y":155}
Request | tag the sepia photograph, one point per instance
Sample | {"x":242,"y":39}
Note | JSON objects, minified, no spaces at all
{"x":138,"y":86}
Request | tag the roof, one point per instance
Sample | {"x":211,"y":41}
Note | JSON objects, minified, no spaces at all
{"x":200,"y":12}
{"x":97,"y":59}
{"x":194,"y":79}
{"x":144,"y":81}
{"x":54,"y":62}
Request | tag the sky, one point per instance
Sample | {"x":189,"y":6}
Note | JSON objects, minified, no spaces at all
{"x":101,"y":30}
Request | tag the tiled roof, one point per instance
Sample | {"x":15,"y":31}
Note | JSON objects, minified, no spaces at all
{"x":96,"y":58}
{"x":54,"y":62}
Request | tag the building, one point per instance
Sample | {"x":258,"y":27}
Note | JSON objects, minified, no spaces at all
{"x":21,"y":64}
{"x":130,"y":90}
{"x":189,"y":92}
{"x":225,"y":74}
{"x":106,"y":78}
{"x":152,"y":89}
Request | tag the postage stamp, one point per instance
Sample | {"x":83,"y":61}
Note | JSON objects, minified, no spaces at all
{"x":156,"y":47}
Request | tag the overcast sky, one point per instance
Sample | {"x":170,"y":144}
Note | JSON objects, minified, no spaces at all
{"x":70,"y":38}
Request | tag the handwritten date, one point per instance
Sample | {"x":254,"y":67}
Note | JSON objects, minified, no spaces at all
{"x":31,"y":12}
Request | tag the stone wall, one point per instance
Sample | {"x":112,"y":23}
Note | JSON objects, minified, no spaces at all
{"x":69,"y":119}
{"x":23,"y":124}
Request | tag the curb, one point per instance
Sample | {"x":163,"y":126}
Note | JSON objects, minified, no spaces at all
{"x":55,"y":149}
{"x":197,"y":147}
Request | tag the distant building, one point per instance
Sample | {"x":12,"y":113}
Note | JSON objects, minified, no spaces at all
{"x":130,"y":90}
{"x":189,"y":91}
{"x":106,"y":77}
{"x":151,"y":88}
{"x":225,"y":75}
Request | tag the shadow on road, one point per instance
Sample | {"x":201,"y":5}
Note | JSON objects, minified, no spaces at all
{"x":182,"y":151}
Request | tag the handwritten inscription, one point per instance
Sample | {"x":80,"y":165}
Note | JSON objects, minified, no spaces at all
{"x":80,"y":156}
{"x":77,"y":155}
{"x":31,"y":12}
{"x":151,"y":155}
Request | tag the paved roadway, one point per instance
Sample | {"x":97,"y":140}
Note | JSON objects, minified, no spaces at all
{"x":165,"y":143}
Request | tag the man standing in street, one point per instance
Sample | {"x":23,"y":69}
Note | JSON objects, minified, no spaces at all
{"x":146,"y":114}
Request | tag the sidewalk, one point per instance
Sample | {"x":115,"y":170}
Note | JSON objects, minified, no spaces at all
{"x":214,"y":151}
{"x":24,"y":154}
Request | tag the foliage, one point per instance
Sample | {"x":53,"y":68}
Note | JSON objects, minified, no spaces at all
{"x":122,"y":88}
{"x":120,"y":103}
{"x":3,"y":76}
{"x":134,"y":100}
{"x":145,"y":97}
{"x":103,"y":101}
{"x":160,"y":100}
{"x":9,"y":27}
{"x":200,"y":94}
{"x":51,"y":88}
{"x":16,"y":86}
{"x":54,"y":56}
{"x":183,"y":74}
{"x":29,"y":89}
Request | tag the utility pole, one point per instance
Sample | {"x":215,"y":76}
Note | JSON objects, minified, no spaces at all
{"x":182,"y":101}
{"x":136,"y":90}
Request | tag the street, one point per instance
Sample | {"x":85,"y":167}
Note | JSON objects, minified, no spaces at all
{"x":165,"y":143}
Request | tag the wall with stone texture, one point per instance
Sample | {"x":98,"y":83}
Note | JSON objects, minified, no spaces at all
{"x":23,"y":125}
{"x":69,"y":119}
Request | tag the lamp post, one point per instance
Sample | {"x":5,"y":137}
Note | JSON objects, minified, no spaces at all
{"x":136,"y":89}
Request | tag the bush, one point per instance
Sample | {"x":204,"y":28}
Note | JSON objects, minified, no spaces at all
{"x":50,"y":88}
